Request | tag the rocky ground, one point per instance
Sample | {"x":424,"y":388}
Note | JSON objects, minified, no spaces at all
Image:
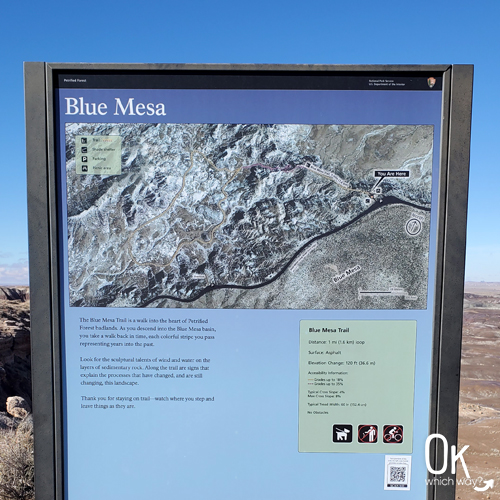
{"x":479,"y":425}
{"x":15,"y":357}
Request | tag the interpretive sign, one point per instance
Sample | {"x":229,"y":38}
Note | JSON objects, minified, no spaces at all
{"x":248,"y":275}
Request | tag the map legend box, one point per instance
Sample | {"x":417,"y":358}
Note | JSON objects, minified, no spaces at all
{"x":98,"y":155}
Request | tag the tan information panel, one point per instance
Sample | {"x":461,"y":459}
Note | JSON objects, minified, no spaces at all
{"x":356,"y":386}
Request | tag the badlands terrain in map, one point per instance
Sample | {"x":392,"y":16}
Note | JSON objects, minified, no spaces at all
{"x":253,"y":216}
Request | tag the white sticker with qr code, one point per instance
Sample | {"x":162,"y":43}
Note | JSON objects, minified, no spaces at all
{"x":397,"y":472}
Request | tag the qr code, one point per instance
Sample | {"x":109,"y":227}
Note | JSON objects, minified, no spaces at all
{"x":397,"y":474}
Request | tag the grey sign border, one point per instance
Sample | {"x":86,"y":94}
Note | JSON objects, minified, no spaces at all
{"x":47,"y":362}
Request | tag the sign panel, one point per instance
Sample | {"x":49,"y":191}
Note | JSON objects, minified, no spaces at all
{"x":356,"y":371}
{"x":247,"y":281}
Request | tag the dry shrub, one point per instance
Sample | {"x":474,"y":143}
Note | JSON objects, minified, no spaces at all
{"x":17,"y":462}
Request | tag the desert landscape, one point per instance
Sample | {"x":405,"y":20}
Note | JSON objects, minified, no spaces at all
{"x":15,"y":355}
{"x":479,"y":424}
{"x":16,"y":423}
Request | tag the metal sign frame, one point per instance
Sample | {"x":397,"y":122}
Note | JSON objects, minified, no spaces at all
{"x":44,"y":254}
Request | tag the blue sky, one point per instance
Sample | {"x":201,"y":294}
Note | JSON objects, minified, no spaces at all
{"x":314,"y":32}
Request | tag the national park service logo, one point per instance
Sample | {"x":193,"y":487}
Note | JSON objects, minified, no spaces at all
{"x":431,"y":82}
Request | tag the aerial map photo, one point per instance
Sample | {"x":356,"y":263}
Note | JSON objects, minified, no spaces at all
{"x":277,"y":216}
